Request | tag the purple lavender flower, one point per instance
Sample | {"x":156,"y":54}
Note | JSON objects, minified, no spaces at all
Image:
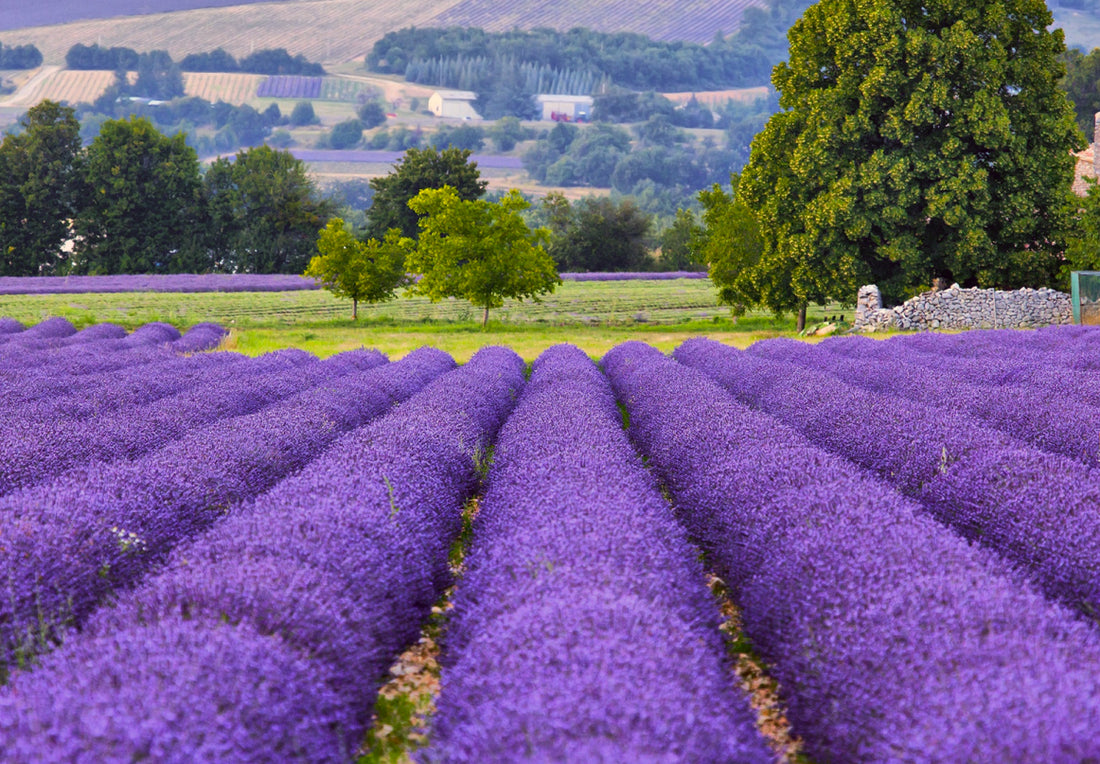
{"x":334,"y":570}
{"x":582,"y":627}
{"x":69,"y":542}
{"x":892,"y":639}
{"x":1036,"y":509}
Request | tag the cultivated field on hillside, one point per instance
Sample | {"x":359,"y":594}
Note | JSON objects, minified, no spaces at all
{"x":214,"y":86}
{"x":659,"y":19}
{"x":341,"y":30}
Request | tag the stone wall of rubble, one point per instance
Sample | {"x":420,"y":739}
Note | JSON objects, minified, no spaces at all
{"x":958,"y":308}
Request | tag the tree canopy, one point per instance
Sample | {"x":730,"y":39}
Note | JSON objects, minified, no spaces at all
{"x":264,"y":212}
{"x":40,"y":189}
{"x":144,"y":206}
{"x":730,"y":245}
{"x":598,"y":234}
{"x":918,"y":140}
{"x":420,"y":169}
{"x":357,"y":270}
{"x":478,"y":250}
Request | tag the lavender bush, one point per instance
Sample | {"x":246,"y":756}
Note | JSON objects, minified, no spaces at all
{"x":553,"y":653}
{"x":1036,"y":509}
{"x":37,"y":447}
{"x":69,"y":542}
{"x":891,"y":638}
{"x":334,"y":569}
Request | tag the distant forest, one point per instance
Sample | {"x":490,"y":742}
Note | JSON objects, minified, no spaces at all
{"x":473,"y":59}
{"x":19,"y":57}
{"x":268,"y":61}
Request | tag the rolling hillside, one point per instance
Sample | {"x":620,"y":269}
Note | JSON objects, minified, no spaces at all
{"x":341,"y":30}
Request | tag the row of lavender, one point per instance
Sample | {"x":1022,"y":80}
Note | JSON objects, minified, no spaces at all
{"x":582,"y":629}
{"x":265,"y":638}
{"x":72,"y":540}
{"x":237,"y":282}
{"x":891,"y":637}
{"x":980,"y":458}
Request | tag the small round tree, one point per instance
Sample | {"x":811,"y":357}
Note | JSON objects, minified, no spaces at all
{"x":478,"y":250}
{"x":371,"y":271}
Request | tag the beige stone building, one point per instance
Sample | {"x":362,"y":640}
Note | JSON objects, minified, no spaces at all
{"x":1088,"y":162}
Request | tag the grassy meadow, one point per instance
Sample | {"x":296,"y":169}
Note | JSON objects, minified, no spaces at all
{"x":592,"y":315}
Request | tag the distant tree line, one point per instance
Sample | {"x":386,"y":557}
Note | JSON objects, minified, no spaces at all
{"x":659,"y":163}
{"x":266,"y":61}
{"x":136,"y":201}
{"x":627,"y":59}
{"x":19,"y":57}
{"x":233,"y":126}
{"x":506,"y":69}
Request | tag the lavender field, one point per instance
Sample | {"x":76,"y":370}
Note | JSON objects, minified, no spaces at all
{"x":215,"y":557}
{"x":241,"y":282}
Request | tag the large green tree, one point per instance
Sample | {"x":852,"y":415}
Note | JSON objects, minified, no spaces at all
{"x":144,"y":209}
{"x":264,"y":212}
{"x":418,"y":170}
{"x":478,"y":250}
{"x":598,"y":234}
{"x":918,"y":140}
{"x":40,"y":187}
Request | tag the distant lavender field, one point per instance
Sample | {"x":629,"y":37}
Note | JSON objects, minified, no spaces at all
{"x":183,"y":282}
{"x":625,"y":276}
{"x":224,"y":282}
{"x":290,"y":86}
{"x":16,"y":14}
{"x":389,"y":157}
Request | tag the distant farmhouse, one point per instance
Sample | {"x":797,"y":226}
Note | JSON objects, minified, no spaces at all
{"x":455,"y":104}
{"x":565,"y":108}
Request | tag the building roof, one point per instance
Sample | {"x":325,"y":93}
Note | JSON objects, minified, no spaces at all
{"x":564,"y":98}
{"x":456,"y":95}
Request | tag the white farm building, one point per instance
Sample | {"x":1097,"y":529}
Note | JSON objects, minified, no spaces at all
{"x":565,"y":108}
{"x":456,"y":104}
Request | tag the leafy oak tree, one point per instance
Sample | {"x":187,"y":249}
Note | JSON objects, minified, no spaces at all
{"x":40,"y":189}
{"x":918,"y":140}
{"x":371,"y":271}
{"x":478,"y":250}
{"x":144,"y":210}
{"x":264,"y":212}
{"x":418,"y":170}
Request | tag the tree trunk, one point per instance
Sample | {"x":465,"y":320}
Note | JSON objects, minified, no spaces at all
{"x":801,"y":318}
{"x":485,"y":319}
{"x":354,"y":309}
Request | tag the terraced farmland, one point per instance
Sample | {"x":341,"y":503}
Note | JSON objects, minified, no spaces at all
{"x":75,"y":86}
{"x":341,"y":30}
{"x":231,"y":88}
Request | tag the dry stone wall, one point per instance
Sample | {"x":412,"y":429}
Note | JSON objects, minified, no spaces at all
{"x":958,"y":308}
